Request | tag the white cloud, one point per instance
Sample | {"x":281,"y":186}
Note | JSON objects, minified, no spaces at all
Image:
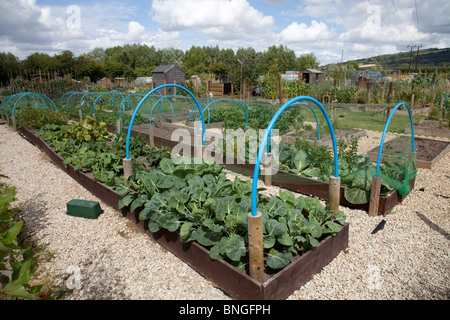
{"x":323,"y":27}
{"x":302,"y":32}
{"x":219,"y":19}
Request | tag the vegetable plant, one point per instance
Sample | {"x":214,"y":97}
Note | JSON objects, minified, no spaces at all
{"x":201,"y":204}
{"x":356,"y":171}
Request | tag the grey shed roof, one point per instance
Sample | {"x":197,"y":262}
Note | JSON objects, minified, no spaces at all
{"x":312,"y":71}
{"x":165,"y":68}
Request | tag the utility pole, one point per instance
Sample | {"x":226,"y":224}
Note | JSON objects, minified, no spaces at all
{"x":410,"y":58}
{"x":417,"y":57}
{"x":241,"y":62}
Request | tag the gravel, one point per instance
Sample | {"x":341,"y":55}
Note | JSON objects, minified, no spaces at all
{"x":109,"y":258}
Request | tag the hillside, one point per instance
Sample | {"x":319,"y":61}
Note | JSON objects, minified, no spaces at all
{"x":427,"y":58}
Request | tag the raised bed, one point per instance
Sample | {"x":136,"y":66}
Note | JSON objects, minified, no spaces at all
{"x":234,"y":282}
{"x":430,"y":128}
{"x":428,"y":151}
{"x":304,"y":185}
{"x":325,"y":139}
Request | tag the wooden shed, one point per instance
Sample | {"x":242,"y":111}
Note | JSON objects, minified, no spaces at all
{"x":104,"y":81}
{"x":168,"y":74}
{"x":312,"y":76}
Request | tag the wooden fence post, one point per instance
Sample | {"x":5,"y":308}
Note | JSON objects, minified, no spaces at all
{"x":127,"y":169}
{"x":14,"y":123}
{"x":390,"y":93}
{"x":119,"y":125}
{"x":151,"y":135}
{"x":255,"y":246}
{"x":375,"y":196}
{"x":334,"y":192}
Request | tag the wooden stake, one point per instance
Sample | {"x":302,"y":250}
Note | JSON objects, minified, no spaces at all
{"x":255,"y":246}
{"x":80,"y":113}
{"x":127,"y":169}
{"x":119,"y":125}
{"x":375,"y":196}
{"x":151,"y":135}
{"x":391,"y":91}
{"x":334,"y":192}
{"x":14,"y":124}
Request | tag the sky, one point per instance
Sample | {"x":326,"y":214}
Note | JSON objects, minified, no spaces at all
{"x":333,"y":30}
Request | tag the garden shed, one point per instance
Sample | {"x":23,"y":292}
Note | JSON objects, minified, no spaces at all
{"x":143,"y":81}
{"x":312,"y":76}
{"x":168,"y":74}
{"x":104,"y":81}
{"x":364,"y":79}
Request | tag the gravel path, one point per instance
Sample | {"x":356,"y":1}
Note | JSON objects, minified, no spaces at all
{"x":109,"y":258}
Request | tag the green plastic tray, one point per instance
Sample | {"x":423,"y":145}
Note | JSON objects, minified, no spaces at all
{"x":84,"y":208}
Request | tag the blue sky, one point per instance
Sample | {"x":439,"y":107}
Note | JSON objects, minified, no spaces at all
{"x":331,"y":29}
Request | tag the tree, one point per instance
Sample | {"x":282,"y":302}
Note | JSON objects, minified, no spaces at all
{"x":65,"y":62}
{"x":172,"y":56}
{"x":307,"y":61}
{"x":241,"y":69}
{"x":285,"y":57}
{"x":9,"y":67}
{"x":88,"y":67}
{"x":96,"y":54}
{"x":353,"y":65}
{"x":37,"y":62}
{"x":194,"y":61}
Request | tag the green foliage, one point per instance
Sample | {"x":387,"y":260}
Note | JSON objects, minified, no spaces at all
{"x":199,"y":202}
{"x":36,"y":118}
{"x":14,"y":259}
{"x":258,"y":118}
{"x":356,"y":171}
{"x":111,"y":117}
{"x":87,"y":146}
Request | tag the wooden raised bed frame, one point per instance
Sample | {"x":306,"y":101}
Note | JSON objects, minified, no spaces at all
{"x":223,"y":275}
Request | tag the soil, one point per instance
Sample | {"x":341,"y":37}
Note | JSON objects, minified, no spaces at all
{"x":426,"y":149}
{"x":431,"y":123}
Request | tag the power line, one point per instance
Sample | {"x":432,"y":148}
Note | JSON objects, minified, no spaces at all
{"x":389,"y":26}
{"x":396,"y":11}
{"x":417,"y":16}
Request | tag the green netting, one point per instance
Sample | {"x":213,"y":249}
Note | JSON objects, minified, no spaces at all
{"x":310,"y":154}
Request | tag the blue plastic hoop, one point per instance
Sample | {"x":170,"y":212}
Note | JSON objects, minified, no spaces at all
{"x":142,"y":101}
{"x":385,"y":130}
{"x":268,"y":132}
{"x":39,"y":95}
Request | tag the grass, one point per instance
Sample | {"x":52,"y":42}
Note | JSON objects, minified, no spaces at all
{"x":346,"y":119}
